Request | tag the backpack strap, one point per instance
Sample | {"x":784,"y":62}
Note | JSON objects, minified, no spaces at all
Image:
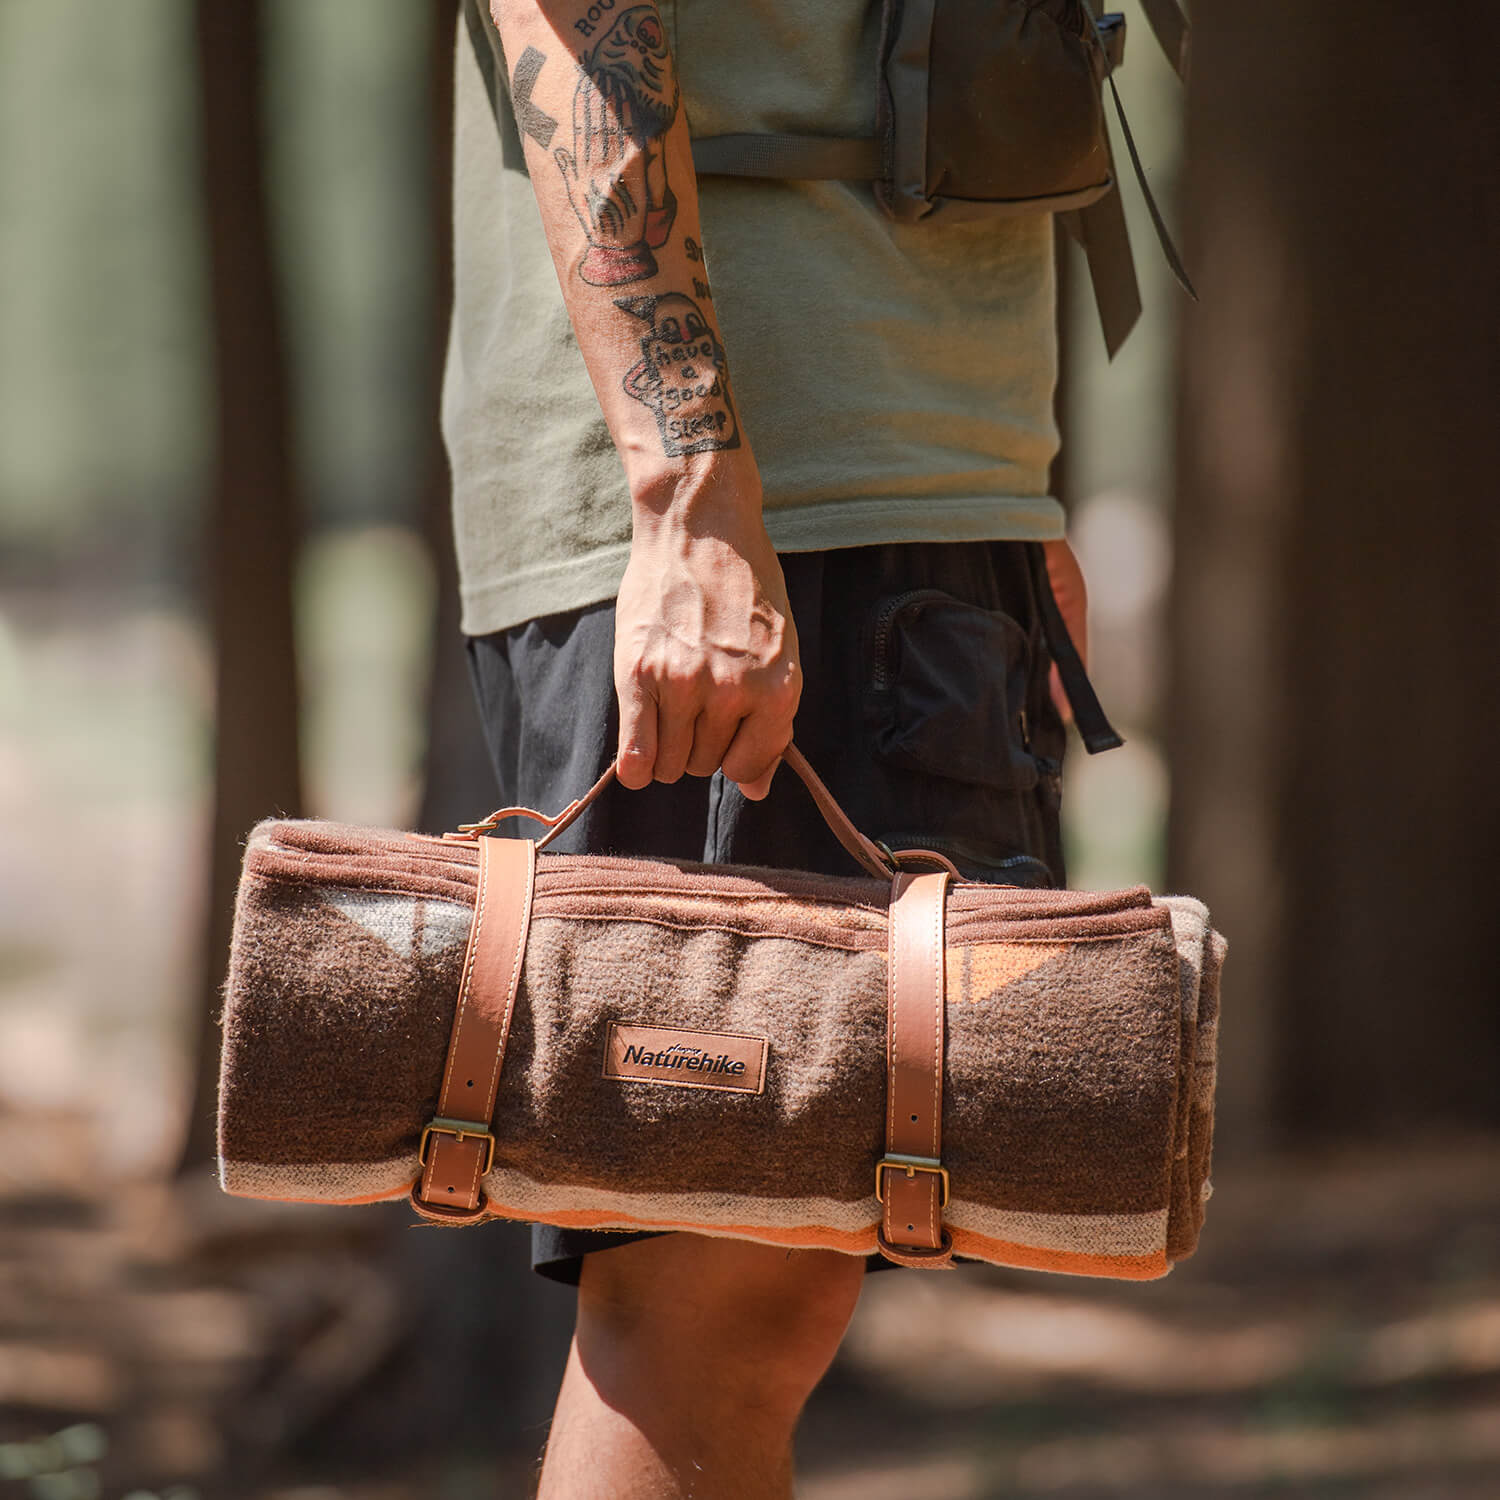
{"x":1163,"y":236}
{"x":1171,"y":28}
{"x":1094,"y":728}
{"x":1100,"y":231}
{"x":809,"y":158}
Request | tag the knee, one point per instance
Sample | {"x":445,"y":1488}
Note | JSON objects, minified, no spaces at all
{"x":748,"y":1325}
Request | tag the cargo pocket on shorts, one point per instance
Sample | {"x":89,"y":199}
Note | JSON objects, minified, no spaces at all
{"x":947,"y":700}
{"x":948,"y":690}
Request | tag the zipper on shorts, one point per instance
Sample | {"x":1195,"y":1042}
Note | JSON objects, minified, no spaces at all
{"x":964,"y":855}
{"x":884,"y":622}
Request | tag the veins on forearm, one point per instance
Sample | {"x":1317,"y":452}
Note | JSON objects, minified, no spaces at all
{"x":625,"y":100}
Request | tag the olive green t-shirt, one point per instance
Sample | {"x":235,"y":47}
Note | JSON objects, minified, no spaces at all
{"x":896,"y":381}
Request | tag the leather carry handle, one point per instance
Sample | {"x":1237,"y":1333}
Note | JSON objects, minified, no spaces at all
{"x":871,"y":857}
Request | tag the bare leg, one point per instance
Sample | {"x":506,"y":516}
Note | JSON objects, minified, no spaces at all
{"x":690,"y":1366}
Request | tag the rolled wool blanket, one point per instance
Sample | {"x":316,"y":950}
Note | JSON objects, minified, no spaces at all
{"x":1078,"y":1071}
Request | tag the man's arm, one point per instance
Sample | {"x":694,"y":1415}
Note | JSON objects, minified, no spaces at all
{"x":706,"y":662}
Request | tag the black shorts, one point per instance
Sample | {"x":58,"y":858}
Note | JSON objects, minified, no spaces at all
{"x":925,"y":708}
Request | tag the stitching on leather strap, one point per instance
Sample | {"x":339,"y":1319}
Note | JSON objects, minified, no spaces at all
{"x":467,"y":982}
{"x":937,"y":1026}
{"x":513,"y":983}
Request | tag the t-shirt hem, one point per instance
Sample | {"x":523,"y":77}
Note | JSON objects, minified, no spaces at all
{"x":575,"y":583}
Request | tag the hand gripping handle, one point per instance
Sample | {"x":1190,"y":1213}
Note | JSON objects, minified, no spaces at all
{"x":872,"y":857}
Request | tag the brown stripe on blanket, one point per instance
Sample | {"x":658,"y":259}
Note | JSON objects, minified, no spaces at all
{"x":1079,"y":1067}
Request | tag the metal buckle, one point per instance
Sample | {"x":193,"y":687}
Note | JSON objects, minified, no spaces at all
{"x":911,"y":1165}
{"x":460,"y":1130}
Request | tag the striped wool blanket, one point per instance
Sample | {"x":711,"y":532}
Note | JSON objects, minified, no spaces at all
{"x":1079,"y":1066}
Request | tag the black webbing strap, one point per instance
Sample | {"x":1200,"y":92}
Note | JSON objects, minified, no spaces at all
{"x":1101,"y":233}
{"x":1094,"y":729}
{"x":1163,"y":237}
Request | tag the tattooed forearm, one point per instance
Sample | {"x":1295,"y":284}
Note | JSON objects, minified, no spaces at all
{"x":682,"y":375}
{"x":616,"y":174}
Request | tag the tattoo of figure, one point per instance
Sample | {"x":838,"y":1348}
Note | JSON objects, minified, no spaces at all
{"x":616,"y":173}
{"x":682,"y":375}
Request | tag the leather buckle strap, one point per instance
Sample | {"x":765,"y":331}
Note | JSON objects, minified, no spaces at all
{"x":462,"y":1130}
{"x":911,"y":1182}
{"x":910,"y":1165}
{"x":457,"y":1146}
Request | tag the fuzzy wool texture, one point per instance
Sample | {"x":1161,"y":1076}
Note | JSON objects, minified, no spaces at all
{"x":1078,"y":1073}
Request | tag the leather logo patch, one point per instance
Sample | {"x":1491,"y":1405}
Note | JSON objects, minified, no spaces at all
{"x":686,"y":1059}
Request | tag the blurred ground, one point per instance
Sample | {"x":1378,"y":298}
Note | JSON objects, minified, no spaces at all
{"x":1337,"y":1335}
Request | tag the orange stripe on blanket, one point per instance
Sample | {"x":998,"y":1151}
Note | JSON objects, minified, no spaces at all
{"x":1073,"y":1262}
{"x":862,"y":1242}
{"x":800,"y":1237}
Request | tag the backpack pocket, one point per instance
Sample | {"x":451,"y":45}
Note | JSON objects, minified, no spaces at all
{"x":988,"y":108}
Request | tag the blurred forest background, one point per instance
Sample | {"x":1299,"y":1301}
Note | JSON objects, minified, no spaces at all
{"x":225,"y":587}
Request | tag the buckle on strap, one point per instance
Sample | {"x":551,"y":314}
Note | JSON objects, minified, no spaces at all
{"x":459,"y":1130}
{"x":911,"y":1165}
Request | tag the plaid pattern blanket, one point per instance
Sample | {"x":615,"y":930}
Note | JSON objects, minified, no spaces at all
{"x":1079,"y":1068}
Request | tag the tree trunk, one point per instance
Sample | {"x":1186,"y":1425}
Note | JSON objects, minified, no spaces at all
{"x":458,"y":781}
{"x":1335,"y":704}
{"x":254,"y":515}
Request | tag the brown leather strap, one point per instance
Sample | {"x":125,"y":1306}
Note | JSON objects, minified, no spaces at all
{"x":869,"y":854}
{"x":468,"y":833}
{"x":457,"y":1146}
{"x":865,"y":851}
{"x":911,"y":1181}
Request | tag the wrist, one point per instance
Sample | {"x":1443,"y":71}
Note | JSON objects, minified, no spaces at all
{"x":701,"y":489}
